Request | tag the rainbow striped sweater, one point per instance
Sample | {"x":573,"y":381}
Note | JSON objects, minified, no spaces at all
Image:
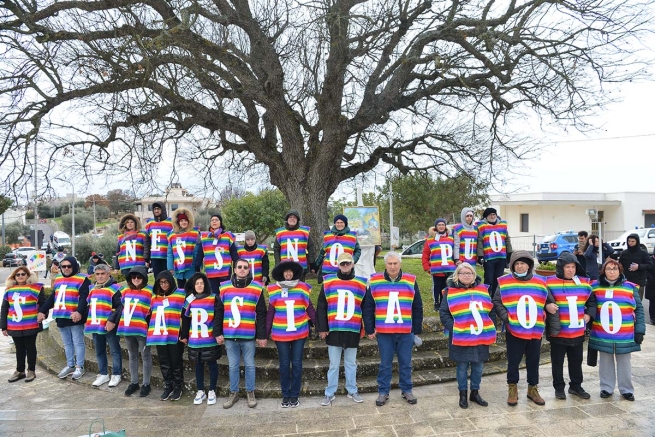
{"x":525,"y":302}
{"x":291,"y":321}
{"x":216,"y":253}
{"x":23,"y":303}
{"x":67,"y":295}
{"x":131,"y":249}
{"x":157,"y":232}
{"x":441,"y":255}
{"x":344,"y":302}
{"x":165,"y":315}
{"x":293,"y":244}
{"x":333,"y":246}
{"x":470,"y":309}
{"x":255,"y":258}
{"x":240,"y":316}
{"x":201,"y":329}
{"x":615,"y":319}
{"x":571,"y":299}
{"x":100,"y":307}
{"x":493,"y":239}
{"x":136,"y":306}
{"x":393,"y":303}
{"x":468,"y":243}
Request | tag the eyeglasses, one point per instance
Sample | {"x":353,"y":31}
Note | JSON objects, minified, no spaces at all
{"x":611,"y":269}
{"x":20,"y":274}
{"x":243,"y":267}
{"x":466,"y":274}
{"x":345,"y":263}
{"x":67,"y":266}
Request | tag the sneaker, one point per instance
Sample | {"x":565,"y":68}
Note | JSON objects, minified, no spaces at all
{"x":410,"y":398}
{"x":177,"y":394}
{"x":285,"y":403}
{"x":168,"y":391}
{"x":101,"y":379}
{"x":200,"y":396}
{"x":605,"y":394}
{"x":356,"y":397}
{"x":628,"y":396}
{"x":232,"y":399}
{"x":145,"y":390}
{"x":30,"y":376}
{"x":211,"y":397}
{"x":115,"y":380}
{"x":381,"y":400}
{"x":327,"y":400}
{"x":77,"y":374}
{"x":252,"y":401}
{"x":580,"y":393}
{"x":559,"y":394}
{"x":17,"y":376}
{"x":131,"y":389}
{"x":293,"y":402}
{"x":65,"y":372}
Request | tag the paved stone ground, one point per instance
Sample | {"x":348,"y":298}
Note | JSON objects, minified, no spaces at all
{"x":51,"y":407}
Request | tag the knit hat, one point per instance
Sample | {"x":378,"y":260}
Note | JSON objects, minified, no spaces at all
{"x":344,"y":257}
{"x":249,"y":235}
{"x":341,"y":217}
{"x":439,"y":220}
{"x":489,"y":211}
{"x":182,"y":216}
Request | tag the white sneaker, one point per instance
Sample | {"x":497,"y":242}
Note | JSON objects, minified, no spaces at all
{"x":115,"y":380}
{"x":79,"y":371}
{"x":101,"y":379}
{"x":65,"y":372}
{"x":211,"y":397}
{"x":200,"y":396}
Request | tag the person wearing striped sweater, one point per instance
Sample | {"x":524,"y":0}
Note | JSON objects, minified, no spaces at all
{"x":157,"y":229}
{"x":520,"y":303}
{"x":393,"y":314}
{"x":217,"y":252}
{"x":133,"y":247}
{"x":293,"y":242}
{"x":257,"y":256}
{"x":340,"y":239}
{"x":437,"y":258}
{"x":289,"y":315}
{"x":18,"y":319}
{"x":184,"y":246}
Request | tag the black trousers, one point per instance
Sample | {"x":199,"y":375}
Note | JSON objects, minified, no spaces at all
{"x":158,"y":265}
{"x":25,"y":348}
{"x":516,"y":348}
{"x":171,"y":363}
{"x":574,"y":356}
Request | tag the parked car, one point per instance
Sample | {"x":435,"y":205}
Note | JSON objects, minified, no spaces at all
{"x":26,"y":251}
{"x":414,"y":250}
{"x":552,"y":246}
{"x":12,"y":259}
{"x":646,"y":237}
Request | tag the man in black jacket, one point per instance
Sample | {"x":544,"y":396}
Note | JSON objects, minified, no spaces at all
{"x":636,"y":263}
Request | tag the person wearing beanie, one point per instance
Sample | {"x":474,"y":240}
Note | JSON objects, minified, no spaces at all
{"x":437,"y":258}
{"x":294,"y":243}
{"x":257,"y":256}
{"x":494,"y":249}
{"x":519,"y":293}
{"x":157,"y":229}
{"x":183,"y":246}
{"x":133,"y":247}
{"x":465,"y":235}
{"x":217,"y":253}
{"x":340,"y":239}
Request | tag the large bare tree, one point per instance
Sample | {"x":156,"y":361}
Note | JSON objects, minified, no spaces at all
{"x":318,"y":91}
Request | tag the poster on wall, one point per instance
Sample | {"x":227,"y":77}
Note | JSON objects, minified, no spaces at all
{"x":365,"y":221}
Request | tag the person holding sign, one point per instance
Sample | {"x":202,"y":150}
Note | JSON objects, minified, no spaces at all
{"x":618,"y":330}
{"x":340,"y":239}
{"x":68,"y":302}
{"x":133,"y":248}
{"x":183,"y":246}
{"x":465,"y":235}
{"x":287,"y":322}
{"x":257,"y":256}
{"x":18,"y":319}
{"x":520,"y":303}
{"x":293,"y":243}
{"x":494,"y":248}
{"x":393,"y":313}
{"x":164,"y":332}
{"x":218,"y":251}
{"x":437,"y":258}
{"x":576,"y":306}
{"x":466,"y":317}
{"x":339,"y":323}
{"x":157,"y":229}
{"x":241,"y":318}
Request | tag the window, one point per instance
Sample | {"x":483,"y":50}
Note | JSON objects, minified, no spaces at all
{"x":525,"y":220}
{"x":149,"y":207}
{"x":174,"y":206}
{"x":601,"y":219}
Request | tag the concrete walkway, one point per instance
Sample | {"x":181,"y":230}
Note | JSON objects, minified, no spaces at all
{"x":51,"y":407}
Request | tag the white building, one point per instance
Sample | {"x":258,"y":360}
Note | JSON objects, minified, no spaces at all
{"x":541,"y":214}
{"x":174,"y":198}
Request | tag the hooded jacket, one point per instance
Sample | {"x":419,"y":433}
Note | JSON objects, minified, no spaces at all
{"x":164,"y":213}
{"x":508,"y":243}
{"x":425,"y":255}
{"x":464,"y":225}
{"x":157,"y":230}
{"x":321,"y":254}
{"x":4,"y":311}
{"x":170,"y":264}
{"x":138,"y":270}
{"x":277,"y":248}
{"x":138,"y":235}
{"x":591,"y":258}
{"x":83,"y":291}
{"x":204,"y":354}
{"x":156,"y":289}
{"x":260,"y":309}
{"x":639,"y":256}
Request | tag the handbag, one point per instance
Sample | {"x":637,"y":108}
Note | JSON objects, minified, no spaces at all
{"x":104,"y":432}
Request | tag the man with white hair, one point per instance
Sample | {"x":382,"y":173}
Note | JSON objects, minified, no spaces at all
{"x":393,"y":313}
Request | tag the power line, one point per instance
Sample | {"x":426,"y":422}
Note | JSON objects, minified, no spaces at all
{"x":604,"y":139}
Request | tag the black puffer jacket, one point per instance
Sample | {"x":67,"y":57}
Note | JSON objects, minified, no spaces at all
{"x":204,"y":354}
{"x":637,"y":255}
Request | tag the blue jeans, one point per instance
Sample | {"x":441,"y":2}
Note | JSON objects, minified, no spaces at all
{"x":100,"y":343}
{"x":234,"y":348}
{"x":200,"y":374}
{"x":73,"y":338}
{"x":476,"y":374}
{"x":290,"y":353}
{"x":350,"y":369}
{"x":400,"y":345}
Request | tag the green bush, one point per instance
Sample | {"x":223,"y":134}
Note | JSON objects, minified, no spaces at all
{"x":4,"y":250}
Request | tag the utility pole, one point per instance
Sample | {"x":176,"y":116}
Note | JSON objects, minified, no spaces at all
{"x":95,"y":230}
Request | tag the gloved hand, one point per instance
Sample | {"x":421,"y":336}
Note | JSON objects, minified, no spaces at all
{"x":481,"y":261}
{"x":639,"y":338}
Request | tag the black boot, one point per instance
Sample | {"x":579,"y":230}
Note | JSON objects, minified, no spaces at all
{"x":463,"y":402}
{"x":475,"y":397}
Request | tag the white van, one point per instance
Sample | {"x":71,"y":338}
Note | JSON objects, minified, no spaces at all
{"x":646,"y":237}
{"x":61,"y":239}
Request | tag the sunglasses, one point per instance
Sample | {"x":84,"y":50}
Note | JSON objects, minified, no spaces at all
{"x":243,"y":267}
{"x":135,"y":277}
{"x":21,"y":274}
{"x":67,"y":266}
{"x":345,"y":263}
